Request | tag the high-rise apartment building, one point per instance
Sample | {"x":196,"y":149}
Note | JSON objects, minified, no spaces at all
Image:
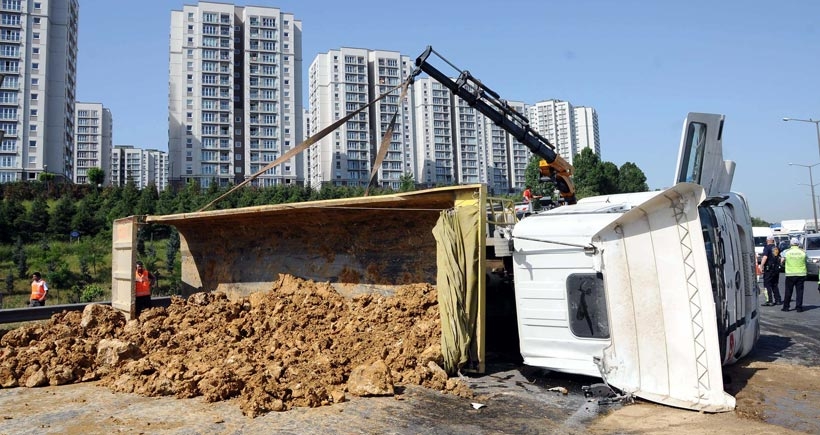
{"x":471,"y":162}
{"x":553,"y":120}
{"x":436,"y":152}
{"x":142,"y":166}
{"x":586,"y":129}
{"x":342,"y":81}
{"x":235,"y":99}
{"x":38,"y":59}
{"x":93,"y":141}
{"x":559,"y":122}
{"x":389,"y":69}
{"x":507,"y":158}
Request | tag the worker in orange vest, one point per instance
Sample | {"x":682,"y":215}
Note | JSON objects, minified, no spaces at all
{"x":39,"y":290}
{"x":143,"y":282}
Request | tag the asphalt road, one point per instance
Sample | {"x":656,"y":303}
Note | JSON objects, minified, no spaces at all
{"x":791,"y":336}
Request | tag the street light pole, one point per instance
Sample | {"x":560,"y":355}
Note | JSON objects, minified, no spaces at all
{"x":816,"y":123}
{"x":811,"y":184}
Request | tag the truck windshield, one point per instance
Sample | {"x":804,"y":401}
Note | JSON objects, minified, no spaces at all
{"x":694,"y":149}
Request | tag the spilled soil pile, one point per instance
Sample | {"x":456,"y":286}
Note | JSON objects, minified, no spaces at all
{"x":299,"y":344}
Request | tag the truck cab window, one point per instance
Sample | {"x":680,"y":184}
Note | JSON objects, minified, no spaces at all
{"x":587,"y":305}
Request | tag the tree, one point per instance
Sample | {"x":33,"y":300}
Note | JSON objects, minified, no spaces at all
{"x":20,"y":259}
{"x":632,"y":179}
{"x":10,"y":282}
{"x":171,"y":250}
{"x":84,"y":219}
{"x":187,"y":198}
{"x":96,"y":176}
{"x":758,"y":222}
{"x":609,"y":179}
{"x":147,"y":200}
{"x":60,"y":222}
{"x":15,"y":213}
{"x":588,"y":174}
{"x":5,"y":224}
{"x":38,"y":216}
{"x":407,"y":183}
{"x":595,"y":177}
{"x":166,"y":202}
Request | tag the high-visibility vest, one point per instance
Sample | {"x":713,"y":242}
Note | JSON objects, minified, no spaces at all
{"x":143,"y":283}
{"x":795,"y":261}
{"x":38,"y":290}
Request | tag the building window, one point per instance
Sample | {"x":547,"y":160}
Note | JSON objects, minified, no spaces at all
{"x":35,"y":35}
{"x":35,"y":66}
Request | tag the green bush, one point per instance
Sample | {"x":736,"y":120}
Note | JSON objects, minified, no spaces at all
{"x":91,"y":293}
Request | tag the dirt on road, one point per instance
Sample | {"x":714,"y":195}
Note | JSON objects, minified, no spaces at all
{"x":297,"y":345}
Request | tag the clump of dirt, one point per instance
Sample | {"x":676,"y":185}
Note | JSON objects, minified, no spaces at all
{"x":293,"y":346}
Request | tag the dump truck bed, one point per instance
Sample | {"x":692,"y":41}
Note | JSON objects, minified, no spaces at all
{"x":356,"y":244}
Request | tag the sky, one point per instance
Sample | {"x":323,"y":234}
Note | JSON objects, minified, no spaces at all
{"x":643,"y":65}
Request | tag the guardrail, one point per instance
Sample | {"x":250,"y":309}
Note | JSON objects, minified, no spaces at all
{"x":15,"y":315}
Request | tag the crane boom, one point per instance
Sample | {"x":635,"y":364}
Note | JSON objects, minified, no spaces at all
{"x":488,"y":102}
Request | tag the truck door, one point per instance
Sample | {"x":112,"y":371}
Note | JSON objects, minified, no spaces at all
{"x":658,"y":284}
{"x":700,"y":156}
{"x":124,"y":239}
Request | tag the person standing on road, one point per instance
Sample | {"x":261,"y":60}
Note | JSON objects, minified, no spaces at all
{"x":39,"y":290}
{"x":143,"y":282}
{"x":795,"y":259}
{"x":770,"y":264}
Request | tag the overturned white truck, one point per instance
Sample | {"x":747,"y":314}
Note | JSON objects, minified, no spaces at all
{"x":651,"y":291}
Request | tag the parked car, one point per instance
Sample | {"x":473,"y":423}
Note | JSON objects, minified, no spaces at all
{"x":811,"y":244}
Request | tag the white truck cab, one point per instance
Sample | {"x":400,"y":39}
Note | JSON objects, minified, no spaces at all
{"x":650,"y":291}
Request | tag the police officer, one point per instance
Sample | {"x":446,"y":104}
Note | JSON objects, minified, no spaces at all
{"x":795,"y":259}
{"x":770,"y":263}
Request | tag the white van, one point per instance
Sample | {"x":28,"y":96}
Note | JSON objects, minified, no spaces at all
{"x":760,"y":234}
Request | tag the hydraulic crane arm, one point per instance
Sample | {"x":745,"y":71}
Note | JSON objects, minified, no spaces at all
{"x":486,"y":101}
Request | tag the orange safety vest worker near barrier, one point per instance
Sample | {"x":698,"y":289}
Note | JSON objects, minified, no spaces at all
{"x":143,"y":281}
{"x":39,"y":290}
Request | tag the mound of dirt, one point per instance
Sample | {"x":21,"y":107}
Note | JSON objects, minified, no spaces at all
{"x":292,"y":346}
